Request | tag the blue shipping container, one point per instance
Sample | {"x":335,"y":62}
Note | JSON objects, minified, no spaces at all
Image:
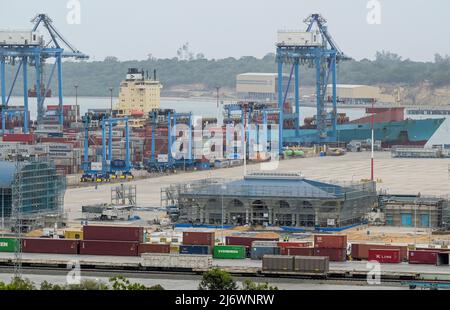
{"x":55,"y":134}
{"x":118,"y":163}
{"x":195,"y":249}
{"x":257,"y":253}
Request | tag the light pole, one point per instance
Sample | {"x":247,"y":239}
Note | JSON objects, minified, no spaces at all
{"x":224,"y":187}
{"x":76,"y":103}
{"x":111,"y":93}
{"x":217,"y":104}
{"x":217,"y":95}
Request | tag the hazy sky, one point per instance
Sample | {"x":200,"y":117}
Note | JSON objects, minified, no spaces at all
{"x":132,"y":29}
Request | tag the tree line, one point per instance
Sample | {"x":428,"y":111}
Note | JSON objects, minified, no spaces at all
{"x":94,"y":78}
{"x":213,"y":279}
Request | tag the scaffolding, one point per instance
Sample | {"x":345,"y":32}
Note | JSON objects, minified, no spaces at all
{"x":35,"y":191}
{"x":123,"y":195}
{"x":276,"y":199}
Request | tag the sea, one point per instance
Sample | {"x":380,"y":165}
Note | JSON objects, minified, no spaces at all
{"x":203,"y":107}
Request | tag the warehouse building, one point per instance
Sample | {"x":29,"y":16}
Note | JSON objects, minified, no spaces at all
{"x":272,"y":199}
{"x":415,"y":211}
{"x":260,"y":86}
{"x":35,"y":187}
{"x":358,"y":94}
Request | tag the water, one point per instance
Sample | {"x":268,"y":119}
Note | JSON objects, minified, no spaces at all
{"x":208,"y":108}
{"x":199,"y":107}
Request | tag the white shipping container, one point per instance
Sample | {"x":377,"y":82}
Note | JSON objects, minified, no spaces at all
{"x":59,"y":147}
{"x":298,"y":38}
{"x":176,"y":261}
{"x":19,"y":37}
{"x":61,"y":154}
{"x":49,"y":128}
{"x":163,"y":158}
{"x":96,"y":166}
{"x":18,"y":130}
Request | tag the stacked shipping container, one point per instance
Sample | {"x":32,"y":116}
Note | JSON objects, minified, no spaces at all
{"x":51,"y":246}
{"x":332,"y":246}
{"x":261,"y":248}
{"x":111,"y":240}
{"x":196,"y":242}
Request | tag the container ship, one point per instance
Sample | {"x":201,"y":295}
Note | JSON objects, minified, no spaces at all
{"x":390,"y":127}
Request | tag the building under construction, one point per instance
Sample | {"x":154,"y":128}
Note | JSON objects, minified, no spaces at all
{"x":270,"y":199}
{"x":36,"y":188}
{"x":415,"y":211}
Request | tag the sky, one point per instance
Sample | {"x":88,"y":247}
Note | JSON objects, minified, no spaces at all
{"x":132,"y":29}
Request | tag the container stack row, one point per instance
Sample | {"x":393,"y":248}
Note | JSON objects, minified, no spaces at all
{"x":131,"y":241}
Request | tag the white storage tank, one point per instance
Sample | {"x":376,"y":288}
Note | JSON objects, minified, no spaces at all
{"x":299,"y":38}
{"x":19,"y":37}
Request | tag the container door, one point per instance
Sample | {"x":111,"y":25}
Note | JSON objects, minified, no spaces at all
{"x":424,"y":220}
{"x":406,"y":219}
{"x":389,"y":220}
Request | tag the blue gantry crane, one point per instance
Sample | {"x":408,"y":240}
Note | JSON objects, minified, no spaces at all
{"x":113,"y":167}
{"x":109,"y":168}
{"x":169,"y":117}
{"x":247,"y":111}
{"x":314,"y":47}
{"x":28,"y":48}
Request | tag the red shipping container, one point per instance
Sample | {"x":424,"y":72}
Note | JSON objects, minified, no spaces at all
{"x":52,"y":246}
{"x":198,"y":238}
{"x":153,"y":248}
{"x":384,"y":256}
{"x":335,"y":255}
{"x":245,"y":241}
{"x":113,"y":233}
{"x":360,"y":251}
{"x":428,"y":257}
{"x":302,"y":244}
{"x":297,"y":251}
{"x":433,"y":249}
{"x":111,"y":248}
{"x":330,"y":241}
{"x":18,"y":137}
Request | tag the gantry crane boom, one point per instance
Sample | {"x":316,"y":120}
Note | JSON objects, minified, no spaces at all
{"x":34,"y":54}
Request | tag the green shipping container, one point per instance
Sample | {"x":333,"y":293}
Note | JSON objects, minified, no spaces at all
{"x":8,"y":244}
{"x":229,"y":252}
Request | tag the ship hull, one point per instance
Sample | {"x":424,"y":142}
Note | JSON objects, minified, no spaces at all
{"x":407,"y":132}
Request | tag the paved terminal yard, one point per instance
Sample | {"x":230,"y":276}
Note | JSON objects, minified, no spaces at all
{"x":397,"y":176}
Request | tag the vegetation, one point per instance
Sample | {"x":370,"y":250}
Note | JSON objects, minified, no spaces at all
{"x":95,"y":77}
{"x":249,"y":285}
{"x":121,"y":283}
{"x":214,"y":279}
{"x":217,"y":279}
{"x":18,"y":284}
{"x":116,"y":283}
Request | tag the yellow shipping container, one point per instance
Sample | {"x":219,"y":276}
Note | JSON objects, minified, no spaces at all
{"x":174,"y":249}
{"x":73,"y":234}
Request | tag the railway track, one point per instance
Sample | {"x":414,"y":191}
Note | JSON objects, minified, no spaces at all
{"x":332,"y":277}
